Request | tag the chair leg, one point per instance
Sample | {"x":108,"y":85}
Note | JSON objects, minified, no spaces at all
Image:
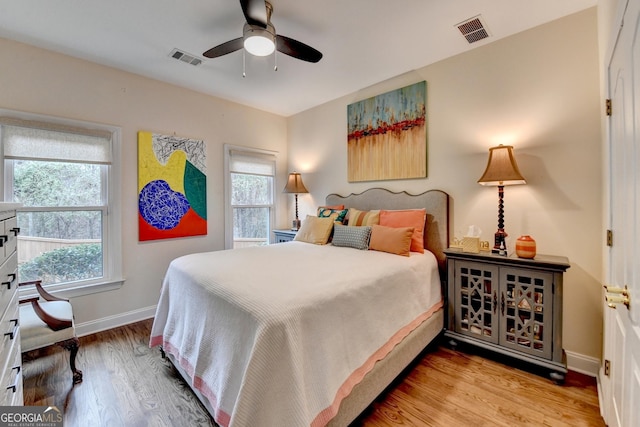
{"x":72,"y":345}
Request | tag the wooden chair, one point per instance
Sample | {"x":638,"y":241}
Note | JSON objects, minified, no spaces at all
{"x":48,"y":320}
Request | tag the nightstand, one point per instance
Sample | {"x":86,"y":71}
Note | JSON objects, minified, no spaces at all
{"x":509,"y":305}
{"x":284,"y":235}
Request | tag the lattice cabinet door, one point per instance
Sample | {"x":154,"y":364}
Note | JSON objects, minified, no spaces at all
{"x":526,"y":309}
{"x":476,"y":300}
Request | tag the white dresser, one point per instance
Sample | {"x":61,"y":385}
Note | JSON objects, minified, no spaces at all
{"x":10,"y":355}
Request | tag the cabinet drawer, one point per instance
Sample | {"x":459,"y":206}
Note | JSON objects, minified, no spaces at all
{"x":10,"y":331}
{"x":11,"y":381}
{"x":11,"y":234}
{"x":8,"y":281}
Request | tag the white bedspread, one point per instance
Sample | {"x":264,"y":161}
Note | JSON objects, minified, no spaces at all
{"x":278,"y":335}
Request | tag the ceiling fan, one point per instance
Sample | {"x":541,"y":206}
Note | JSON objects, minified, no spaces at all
{"x":259,"y":36}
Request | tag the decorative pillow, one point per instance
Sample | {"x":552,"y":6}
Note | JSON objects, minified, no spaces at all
{"x":338,"y":215}
{"x":336,"y":207}
{"x":359,"y":218}
{"x":315,"y":230}
{"x":407,"y":218}
{"x":395,"y":240}
{"x":351,"y":237}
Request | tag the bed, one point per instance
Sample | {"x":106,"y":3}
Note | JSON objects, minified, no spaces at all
{"x":295,"y":334}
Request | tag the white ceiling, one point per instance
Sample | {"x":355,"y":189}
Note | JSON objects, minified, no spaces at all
{"x":363,"y":41}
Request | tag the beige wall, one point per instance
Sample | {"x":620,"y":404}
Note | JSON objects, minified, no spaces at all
{"x":537,"y":90}
{"x":43,"y":82}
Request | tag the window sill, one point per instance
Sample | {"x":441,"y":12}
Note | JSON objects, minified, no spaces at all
{"x":70,"y":290}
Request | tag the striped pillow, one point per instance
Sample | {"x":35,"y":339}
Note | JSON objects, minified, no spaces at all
{"x":358,"y":218}
{"x":351,"y":237}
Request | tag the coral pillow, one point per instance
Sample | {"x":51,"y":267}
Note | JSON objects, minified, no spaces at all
{"x":315,"y":230}
{"x":407,"y":218}
{"x":395,"y":240}
{"x":334,"y":207}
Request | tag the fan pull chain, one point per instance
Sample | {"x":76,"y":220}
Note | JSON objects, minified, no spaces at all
{"x":244,"y":66}
{"x":275,"y":60}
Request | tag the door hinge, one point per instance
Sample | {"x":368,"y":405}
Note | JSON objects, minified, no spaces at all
{"x":607,"y":105}
{"x":609,"y":238}
{"x":607,"y":367}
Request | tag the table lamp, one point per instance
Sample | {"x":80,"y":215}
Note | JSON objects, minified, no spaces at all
{"x":501,"y":170}
{"x":295,"y":186}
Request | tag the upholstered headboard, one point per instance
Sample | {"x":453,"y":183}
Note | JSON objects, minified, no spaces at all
{"x":436,"y":203}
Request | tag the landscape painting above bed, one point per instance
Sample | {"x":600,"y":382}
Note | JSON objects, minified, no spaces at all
{"x":387,"y":135}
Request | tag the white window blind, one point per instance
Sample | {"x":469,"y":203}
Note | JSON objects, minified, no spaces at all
{"x":52,"y":143}
{"x":252,"y":163}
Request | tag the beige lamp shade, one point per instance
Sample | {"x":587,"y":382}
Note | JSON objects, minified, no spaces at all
{"x":294,"y":184}
{"x":502,"y":168}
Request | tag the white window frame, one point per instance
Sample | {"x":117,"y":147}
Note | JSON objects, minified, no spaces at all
{"x":111,"y":225}
{"x":228,"y":208}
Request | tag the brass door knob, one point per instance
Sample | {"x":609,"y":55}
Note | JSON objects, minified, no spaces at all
{"x":621,"y":296}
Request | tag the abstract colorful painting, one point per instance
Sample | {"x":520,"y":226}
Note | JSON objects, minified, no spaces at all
{"x":172,"y":187}
{"x":387,"y":135}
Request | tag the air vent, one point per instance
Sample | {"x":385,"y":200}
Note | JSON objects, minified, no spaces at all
{"x":185,"y":57}
{"x":473,"y":29}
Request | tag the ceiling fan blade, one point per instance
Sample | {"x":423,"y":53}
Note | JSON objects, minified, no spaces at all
{"x":297,"y":49}
{"x":224,"y":48}
{"x":255,"y":12}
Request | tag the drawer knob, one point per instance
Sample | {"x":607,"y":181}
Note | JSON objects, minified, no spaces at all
{"x":14,"y":387}
{"x":12,"y":333}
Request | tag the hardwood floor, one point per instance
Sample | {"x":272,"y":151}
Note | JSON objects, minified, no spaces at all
{"x":128,"y":384}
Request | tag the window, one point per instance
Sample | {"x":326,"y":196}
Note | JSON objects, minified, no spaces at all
{"x":250,"y":179}
{"x":66,"y":179}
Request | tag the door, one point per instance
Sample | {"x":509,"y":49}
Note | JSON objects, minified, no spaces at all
{"x":526,"y":304}
{"x":476,"y":300}
{"x":620,"y":378}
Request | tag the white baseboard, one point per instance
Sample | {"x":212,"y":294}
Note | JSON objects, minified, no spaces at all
{"x":111,"y":322}
{"x":584,"y":364}
{"x":600,"y":397}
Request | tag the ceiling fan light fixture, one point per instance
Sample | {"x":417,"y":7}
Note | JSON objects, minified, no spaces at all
{"x":259,"y":41}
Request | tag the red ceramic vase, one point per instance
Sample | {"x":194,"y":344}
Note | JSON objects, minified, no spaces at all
{"x":526,"y":247}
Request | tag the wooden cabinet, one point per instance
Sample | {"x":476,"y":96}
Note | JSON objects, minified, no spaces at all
{"x":284,"y":235}
{"x":10,"y":354}
{"x":509,"y":305}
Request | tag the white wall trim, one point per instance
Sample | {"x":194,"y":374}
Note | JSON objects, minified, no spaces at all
{"x":583,"y":364}
{"x":600,"y":397}
{"x":115,"y":321}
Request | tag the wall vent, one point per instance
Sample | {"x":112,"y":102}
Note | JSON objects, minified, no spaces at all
{"x":185,"y":57}
{"x":473,"y":29}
